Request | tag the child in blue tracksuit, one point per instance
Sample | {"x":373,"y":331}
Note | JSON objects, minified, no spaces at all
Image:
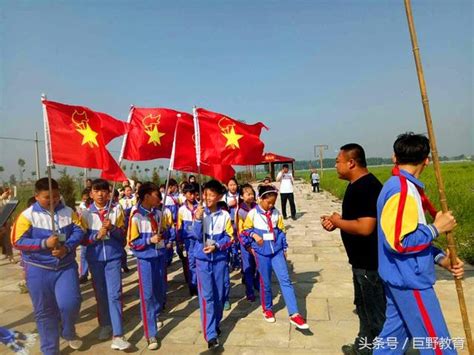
{"x":83,"y":266}
{"x":172,"y":203}
{"x":148,"y":243}
{"x":185,"y":235}
{"x":105,"y":236}
{"x":249,"y":267}
{"x":407,"y":256}
{"x":50,"y":266}
{"x":212,"y":233}
{"x":264,"y":231}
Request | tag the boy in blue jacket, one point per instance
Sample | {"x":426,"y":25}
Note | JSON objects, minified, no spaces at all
{"x":265,"y":232}
{"x":50,"y":266}
{"x":213,"y":236}
{"x":407,"y":256}
{"x":105,"y":235}
{"x":149,"y":244}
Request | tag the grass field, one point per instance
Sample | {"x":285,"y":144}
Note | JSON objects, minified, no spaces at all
{"x":459,"y":184}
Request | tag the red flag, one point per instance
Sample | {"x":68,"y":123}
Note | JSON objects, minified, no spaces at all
{"x":184,"y":158}
{"x":151,"y":134}
{"x":78,"y":137}
{"x":228,"y":141}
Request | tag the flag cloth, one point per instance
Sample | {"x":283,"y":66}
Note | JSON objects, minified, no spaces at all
{"x":184,"y":158}
{"x":77,"y":136}
{"x":151,"y":133}
{"x":227,"y":141}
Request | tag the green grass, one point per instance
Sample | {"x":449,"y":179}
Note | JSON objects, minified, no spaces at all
{"x":459,"y":185}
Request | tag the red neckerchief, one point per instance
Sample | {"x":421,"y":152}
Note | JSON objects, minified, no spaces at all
{"x":193,"y":211}
{"x":268,"y":215}
{"x":425,"y":201}
{"x":154,"y":224}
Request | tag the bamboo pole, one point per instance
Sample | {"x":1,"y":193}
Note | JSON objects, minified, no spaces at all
{"x":437,"y":169}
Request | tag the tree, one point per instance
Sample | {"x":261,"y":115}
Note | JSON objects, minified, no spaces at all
{"x":21,"y":164}
{"x":2,"y":169}
{"x":66,"y":186}
{"x":155,"y":177}
{"x":12,"y":179}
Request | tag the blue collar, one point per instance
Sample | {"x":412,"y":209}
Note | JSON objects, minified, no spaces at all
{"x":37,"y":208}
{"x":93,"y":207}
{"x":262,"y":211}
{"x":412,"y":179}
{"x":208,"y":211}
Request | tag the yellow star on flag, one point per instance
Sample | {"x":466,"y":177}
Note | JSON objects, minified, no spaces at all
{"x":155,"y":136}
{"x":232,"y":138}
{"x":88,"y":136}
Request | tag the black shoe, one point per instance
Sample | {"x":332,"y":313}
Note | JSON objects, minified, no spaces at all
{"x":293,"y":218}
{"x":83,"y":279}
{"x":284,"y":217}
{"x":218,"y":331}
{"x":213,"y":343}
{"x":349,"y":349}
{"x":193,"y":291}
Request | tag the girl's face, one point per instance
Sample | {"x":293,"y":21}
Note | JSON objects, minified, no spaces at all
{"x":268,"y":201}
{"x":232,"y":186}
{"x":248,"y":196}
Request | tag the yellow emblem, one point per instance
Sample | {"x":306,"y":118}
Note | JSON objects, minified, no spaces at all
{"x":81,"y":123}
{"x":151,"y":123}
{"x":228,"y":131}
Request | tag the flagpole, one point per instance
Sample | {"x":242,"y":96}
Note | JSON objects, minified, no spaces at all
{"x":49,"y":161}
{"x":437,"y":169}
{"x":124,"y":143}
{"x":197,"y":138}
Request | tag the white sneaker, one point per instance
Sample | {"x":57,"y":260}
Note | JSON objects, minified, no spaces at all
{"x":153,"y":344}
{"x":159,"y":324}
{"x":119,"y":343}
{"x":75,"y":344}
{"x":105,"y":332}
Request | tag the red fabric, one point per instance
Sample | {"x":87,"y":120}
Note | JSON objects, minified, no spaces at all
{"x":151,"y":133}
{"x":268,"y":215}
{"x":427,"y":321}
{"x":102,"y":214}
{"x":275,"y":158}
{"x":79,"y":137}
{"x":185,"y":153}
{"x":154,"y":224}
{"x":227,"y":141}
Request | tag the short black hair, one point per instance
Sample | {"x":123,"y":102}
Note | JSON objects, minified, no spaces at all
{"x":100,"y":184}
{"x":215,"y":186}
{"x":221,"y":205}
{"x":196,"y":186}
{"x":86,"y":191}
{"x":266,"y":190}
{"x":248,"y":187}
{"x":191,"y":176}
{"x":285,"y":166}
{"x":268,"y":178}
{"x":411,"y":148}
{"x":172,"y":182}
{"x":188,"y":188}
{"x":148,"y":188}
{"x":234,"y":179}
{"x":43,"y":185}
{"x":355,"y":152}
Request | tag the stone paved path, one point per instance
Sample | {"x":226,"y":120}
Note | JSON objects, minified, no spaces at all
{"x":322,"y":279}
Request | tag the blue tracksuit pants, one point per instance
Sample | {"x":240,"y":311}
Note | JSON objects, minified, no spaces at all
{"x":249,"y":271}
{"x":107,"y":282}
{"x":211,"y":290}
{"x":412,"y":314}
{"x":56,"y":300}
{"x":191,"y":259}
{"x":227,"y":278}
{"x":152,"y":290}
{"x":277,"y":263}
{"x":84,"y":268}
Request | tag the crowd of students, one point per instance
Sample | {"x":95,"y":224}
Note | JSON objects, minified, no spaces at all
{"x":214,"y":229}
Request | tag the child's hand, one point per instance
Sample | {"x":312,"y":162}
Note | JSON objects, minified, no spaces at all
{"x":457,"y":270}
{"x":155,"y":239}
{"x":258,"y":239}
{"x":102,"y":233}
{"x":444,"y":222}
{"x":199,"y":212}
{"x":52,"y":242}
{"x":59,"y":252}
{"x":107,"y":224}
{"x":169,"y":246}
{"x":209,"y":249}
{"x":327,"y":224}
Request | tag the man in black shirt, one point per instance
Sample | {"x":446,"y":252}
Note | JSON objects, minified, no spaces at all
{"x":359,"y":234}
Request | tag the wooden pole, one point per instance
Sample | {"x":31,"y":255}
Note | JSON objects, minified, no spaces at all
{"x":437,"y":169}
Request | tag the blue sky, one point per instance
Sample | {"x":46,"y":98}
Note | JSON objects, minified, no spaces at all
{"x":316,"y":72}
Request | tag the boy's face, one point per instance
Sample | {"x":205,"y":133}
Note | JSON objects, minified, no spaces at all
{"x":128,"y":191}
{"x":211,"y":198}
{"x":190,"y":196}
{"x":153,"y":199}
{"x":172,"y":189}
{"x":100,"y":197}
{"x":285,"y":169}
{"x":43,"y":198}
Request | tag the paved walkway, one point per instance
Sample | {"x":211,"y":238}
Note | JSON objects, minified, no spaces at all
{"x":322,"y":279}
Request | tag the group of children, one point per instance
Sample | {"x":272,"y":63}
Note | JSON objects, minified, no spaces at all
{"x":214,"y":231}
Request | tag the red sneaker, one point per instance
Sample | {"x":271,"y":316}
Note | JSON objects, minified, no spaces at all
{"x":298,"y":321}
{"x":269,"y":317}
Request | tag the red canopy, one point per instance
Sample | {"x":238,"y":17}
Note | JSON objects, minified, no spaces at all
{"x":275,"y":158}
